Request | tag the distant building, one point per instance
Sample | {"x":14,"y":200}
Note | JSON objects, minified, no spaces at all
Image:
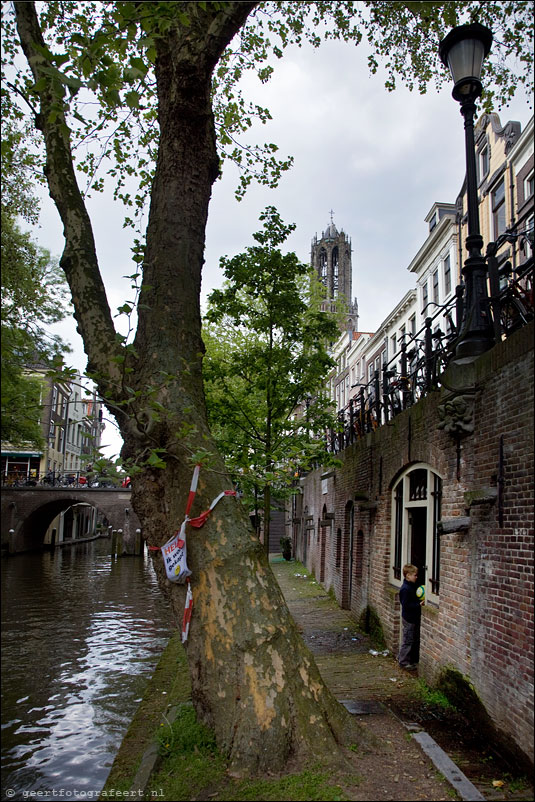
{"x":71,"y":426}
{"x":505,"y":186}
{"x":506,"y":190}
{"x":331,"y":260}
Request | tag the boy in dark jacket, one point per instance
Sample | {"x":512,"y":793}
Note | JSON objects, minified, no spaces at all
{"x":409,"y":653}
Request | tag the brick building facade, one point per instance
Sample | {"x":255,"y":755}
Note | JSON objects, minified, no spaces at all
{"x":448,"y":485}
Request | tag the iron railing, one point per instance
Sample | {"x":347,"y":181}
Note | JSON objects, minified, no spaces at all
{"x":415,"y":369}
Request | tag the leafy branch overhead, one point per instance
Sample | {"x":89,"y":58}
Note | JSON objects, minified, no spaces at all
{"x":106,"y":51}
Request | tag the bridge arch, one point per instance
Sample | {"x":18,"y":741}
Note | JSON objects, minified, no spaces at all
{"x":28,"y":512}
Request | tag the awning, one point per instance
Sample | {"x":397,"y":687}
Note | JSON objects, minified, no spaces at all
{"x":22,"y":454}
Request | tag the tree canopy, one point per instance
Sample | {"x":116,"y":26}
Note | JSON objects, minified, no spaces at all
{"x":34,"y":296}
{"x":106,"y":52}
{"x":268,"y":351}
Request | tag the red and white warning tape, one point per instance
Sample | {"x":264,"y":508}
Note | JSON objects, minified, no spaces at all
{"x":201,"y":519}
{"x":187,"y":612}
{"x":179,"y":570}
{"x":193,"y":488}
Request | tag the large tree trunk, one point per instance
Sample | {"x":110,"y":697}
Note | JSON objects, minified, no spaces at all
{"x":253,"y":680}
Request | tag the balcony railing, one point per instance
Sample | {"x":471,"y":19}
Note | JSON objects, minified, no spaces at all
{"x":416,"y":369}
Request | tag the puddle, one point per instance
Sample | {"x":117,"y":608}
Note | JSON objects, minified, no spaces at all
{"x":320,"y":641}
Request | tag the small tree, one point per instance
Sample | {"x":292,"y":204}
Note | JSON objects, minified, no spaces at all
{"x":268,"y":354}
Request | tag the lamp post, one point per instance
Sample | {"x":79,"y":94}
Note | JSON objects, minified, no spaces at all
{"x":463,"y":51}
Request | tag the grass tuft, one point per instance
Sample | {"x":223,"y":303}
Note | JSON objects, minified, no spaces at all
{"x":185,"y":734}
{"x":432,"y":696}
{"x":307,"y":785}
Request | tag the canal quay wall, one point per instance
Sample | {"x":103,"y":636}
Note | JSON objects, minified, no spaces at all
{"x":27,"y":512}
{"x":448,"y":486}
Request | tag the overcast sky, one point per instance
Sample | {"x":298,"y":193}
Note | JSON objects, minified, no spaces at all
{"x":379,"y":160}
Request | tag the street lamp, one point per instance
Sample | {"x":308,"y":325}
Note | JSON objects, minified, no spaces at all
{"x":463,"y":51}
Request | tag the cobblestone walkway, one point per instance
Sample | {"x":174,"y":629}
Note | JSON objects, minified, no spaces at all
{"x":397,"y":769}
{"x":356,"y":670}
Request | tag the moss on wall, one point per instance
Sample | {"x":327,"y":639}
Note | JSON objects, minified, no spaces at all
{"x":370,"y":623}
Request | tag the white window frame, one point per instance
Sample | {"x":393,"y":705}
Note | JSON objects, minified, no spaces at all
{"x":432,"y":540}
{"x":447,"y":275}
{"x":528,"y":190}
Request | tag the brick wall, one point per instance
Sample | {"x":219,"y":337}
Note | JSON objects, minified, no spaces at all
{"x":482,"y":621}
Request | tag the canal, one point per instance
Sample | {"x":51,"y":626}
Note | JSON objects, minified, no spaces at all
{"x":81,"y":635}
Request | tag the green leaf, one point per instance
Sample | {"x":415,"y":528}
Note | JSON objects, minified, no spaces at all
{"x":132,"y":99}
{"x":155,"y":461}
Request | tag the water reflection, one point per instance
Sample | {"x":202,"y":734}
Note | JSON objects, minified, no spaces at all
{"x":81,"y":634}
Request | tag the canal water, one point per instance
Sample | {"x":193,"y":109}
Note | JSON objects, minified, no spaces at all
{"x":81,"y":635}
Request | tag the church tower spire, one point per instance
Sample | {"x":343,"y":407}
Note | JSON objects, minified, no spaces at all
{"x":331,"y":262}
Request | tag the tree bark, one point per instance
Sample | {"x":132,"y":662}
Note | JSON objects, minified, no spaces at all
{"x":253,"y":680}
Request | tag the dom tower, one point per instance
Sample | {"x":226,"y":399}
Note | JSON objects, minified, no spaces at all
{"x":331,"y":261}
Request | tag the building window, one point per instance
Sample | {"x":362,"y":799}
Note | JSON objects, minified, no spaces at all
{"x":416,"y":511}
{"x":529,"y":186}
{"x":425,"y":297}
{"x":412,"y":325}
{"x":435,"y":287}
{"x":498,"y":209}
{"x":447,"y":275}
{"x":528,"y":241}
{"x":483,"y":163}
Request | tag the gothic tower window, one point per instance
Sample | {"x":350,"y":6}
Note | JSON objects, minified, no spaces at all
{"x":335,"y":272}
{"x":323,"y":267}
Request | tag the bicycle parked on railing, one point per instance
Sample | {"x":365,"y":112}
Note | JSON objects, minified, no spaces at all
{"x":516,"y":298}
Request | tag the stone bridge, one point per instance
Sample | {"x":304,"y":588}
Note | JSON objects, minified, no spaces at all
{"x":27,"y":512}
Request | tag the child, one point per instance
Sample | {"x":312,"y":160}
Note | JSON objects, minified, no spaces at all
{"x":409,"y":653}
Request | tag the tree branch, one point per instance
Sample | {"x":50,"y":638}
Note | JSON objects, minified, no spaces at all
{"x":79,"y":258}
